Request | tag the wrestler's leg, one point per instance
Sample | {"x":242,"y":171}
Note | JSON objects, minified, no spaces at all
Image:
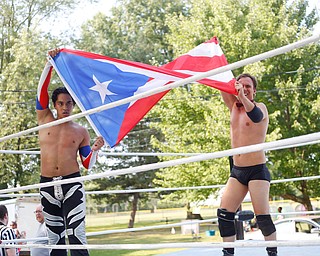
{"x":75,"y":212}
{"x":232,"y":197}
{"x":53,"y":215}
{"x":259,"y":192}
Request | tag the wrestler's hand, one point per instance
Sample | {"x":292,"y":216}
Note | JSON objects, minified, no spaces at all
{"x":53,"y":52}
{"x":240,"y":90}
{"x":98,"y":143}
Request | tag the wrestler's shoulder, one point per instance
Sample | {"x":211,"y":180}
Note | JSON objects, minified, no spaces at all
{"x":261,"y":105}
{"x":79,"y":128}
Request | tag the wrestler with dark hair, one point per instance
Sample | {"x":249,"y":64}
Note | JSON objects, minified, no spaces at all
{"x":64,"y":207}
{"x":249,"y":124}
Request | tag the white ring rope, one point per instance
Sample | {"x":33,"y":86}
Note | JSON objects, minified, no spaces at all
{"x":197,"y":77}
{"x":294,"y":213}
{"x":237,"y":244}
{"x":143,"y":190}
{"x":105,"y":232}
{"x":29,"y":152}
{"x":36,"y":239}
{"x":166,"y":226}
{"x":125,"y":230}
{"x":198,"y":158}
{"x":201,"y":157}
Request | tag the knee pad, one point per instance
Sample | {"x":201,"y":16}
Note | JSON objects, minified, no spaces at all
{"x":226,"y":223}
{"x":265,"y":224}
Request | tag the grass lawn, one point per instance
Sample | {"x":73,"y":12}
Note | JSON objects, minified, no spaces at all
{"x":147,"y":237}
{"x":110,"y":222}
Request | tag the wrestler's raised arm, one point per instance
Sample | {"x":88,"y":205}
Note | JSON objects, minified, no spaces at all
{"x":44,"y":114}
{"x":228,"y":99}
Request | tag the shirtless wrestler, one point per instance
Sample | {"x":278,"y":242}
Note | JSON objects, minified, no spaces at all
{"x":64,"y":205}
{"x":249,"y":124}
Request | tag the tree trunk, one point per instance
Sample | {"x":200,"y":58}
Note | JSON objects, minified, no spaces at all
{"x":134,"y":209}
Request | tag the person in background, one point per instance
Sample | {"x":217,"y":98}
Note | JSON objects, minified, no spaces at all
{"x":19,"y":235}
{"x":41,"y":232}
{"x":6,"y":233}
{"x":248,"y":126}
{"x":280,"y":216}
{"x":14,"y":226}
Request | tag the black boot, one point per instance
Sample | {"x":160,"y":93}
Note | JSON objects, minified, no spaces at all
{"x":227,"y":253}
{"x":272,"y":251}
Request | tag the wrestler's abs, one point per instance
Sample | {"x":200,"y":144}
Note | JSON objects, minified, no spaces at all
{"x":244,"y":133}
{"x":59,"y":150}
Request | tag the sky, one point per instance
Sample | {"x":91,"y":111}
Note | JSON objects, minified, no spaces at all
{"x":83,"y":13}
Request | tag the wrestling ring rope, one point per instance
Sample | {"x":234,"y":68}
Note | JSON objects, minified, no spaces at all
{"x":237,"y":244}
{"x":198,"y":158}
{"x":144,"y":190}
{"x":29,"y":152}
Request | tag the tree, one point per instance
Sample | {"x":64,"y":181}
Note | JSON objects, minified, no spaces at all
{"x":22,"y":56}
{"x":137,"y":141}
{"x":135,"y":31}
{"x":17,"y":16}
{"x":246,"y":28}
{"x":20,"y":79}
{"x":192,"y":120}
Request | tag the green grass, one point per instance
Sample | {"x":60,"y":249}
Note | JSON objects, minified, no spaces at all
{"x":110,"y":221}
{"x":113,"y":221}
{"x":147,"y":237}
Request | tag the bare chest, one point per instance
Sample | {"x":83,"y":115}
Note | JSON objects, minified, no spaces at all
{"x":60,"y":136}
{"x":240,"y":120}
{"x":244,"y":131}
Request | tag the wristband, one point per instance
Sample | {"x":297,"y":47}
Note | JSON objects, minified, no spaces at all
{"x":255,"y":114}
{"x":88,"y":157}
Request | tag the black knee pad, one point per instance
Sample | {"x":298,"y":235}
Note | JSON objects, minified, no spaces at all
{"x":226,"y":222}
{"x":265,"y":224}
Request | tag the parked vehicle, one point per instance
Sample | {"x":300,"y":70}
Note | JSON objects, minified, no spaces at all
{"x":295,"y":228}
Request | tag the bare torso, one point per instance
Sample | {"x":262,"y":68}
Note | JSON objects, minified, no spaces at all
{"x":59,"y":147}
{"x":244,"y":132}
{"x":60,"y":144}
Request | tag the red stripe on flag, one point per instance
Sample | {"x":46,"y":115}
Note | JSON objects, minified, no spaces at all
{"x":197,"y":63}
{"x":44,"y":96}
{"x":136,"y":112}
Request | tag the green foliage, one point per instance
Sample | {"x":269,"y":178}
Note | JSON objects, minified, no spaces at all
{"x":135,"y":31}
{"x":193,"y":120}
{"x":18,"y":16}
{"x":19,"y":83}
{"x":191,"y":123}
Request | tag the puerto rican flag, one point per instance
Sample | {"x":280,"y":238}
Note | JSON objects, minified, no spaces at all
{"x":206,"y":56}
{"x":94,"y":80}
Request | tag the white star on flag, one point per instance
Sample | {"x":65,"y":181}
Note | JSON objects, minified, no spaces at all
{"x":101,"y":88}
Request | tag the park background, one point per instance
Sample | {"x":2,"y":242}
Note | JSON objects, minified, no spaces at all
{"x":189,"y":119}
